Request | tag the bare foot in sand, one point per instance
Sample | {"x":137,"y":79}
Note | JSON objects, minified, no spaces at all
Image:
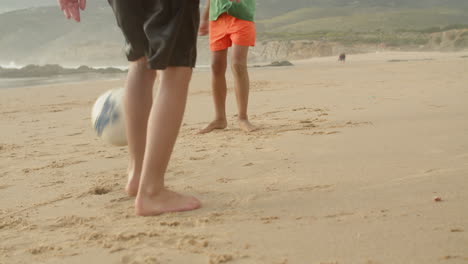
{"x":133,"y":183}
{"x":217,"y":124}
{"x":246,"y":126}
{"x":164,"y":202}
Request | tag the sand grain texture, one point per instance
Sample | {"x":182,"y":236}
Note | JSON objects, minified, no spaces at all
{"x":343,"y":169}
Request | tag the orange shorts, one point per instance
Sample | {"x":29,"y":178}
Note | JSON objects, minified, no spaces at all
{"x":228,"y":29}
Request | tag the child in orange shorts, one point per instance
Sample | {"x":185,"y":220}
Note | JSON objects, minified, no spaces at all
{"x":230,"y":24}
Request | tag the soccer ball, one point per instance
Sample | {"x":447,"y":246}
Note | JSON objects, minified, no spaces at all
{"x":108,"y":117}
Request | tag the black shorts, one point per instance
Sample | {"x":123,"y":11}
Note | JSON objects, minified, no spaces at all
{"x":165,"y":31}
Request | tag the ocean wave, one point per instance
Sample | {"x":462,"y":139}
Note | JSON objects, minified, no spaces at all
{"x":16,"y":71}
{"x":11,"y":65}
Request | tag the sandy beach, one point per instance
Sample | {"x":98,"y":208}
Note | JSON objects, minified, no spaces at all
{"x":344,"y":169}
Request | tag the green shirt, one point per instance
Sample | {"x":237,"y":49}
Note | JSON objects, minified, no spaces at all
{"x":244,"y":10}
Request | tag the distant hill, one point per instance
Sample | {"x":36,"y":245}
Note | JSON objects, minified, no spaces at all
{"x":41,"y":35}
{"x":272,"y":8}
{"x":363,"y":19}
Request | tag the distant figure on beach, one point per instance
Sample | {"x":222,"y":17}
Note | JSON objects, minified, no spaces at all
{"x":382,"y":46}
{"x":342,"y":58}
{"x":161,"y":35}
{"x":229,"y":23}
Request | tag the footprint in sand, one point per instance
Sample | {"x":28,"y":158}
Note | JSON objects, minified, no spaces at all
{"x":269,"y":219}
{"x":10,"y":112}
{"x":8,"y":147}
{"x":451,"y":257}
{"x":259,"y":85}
{"x":43,"y":249}
{"x":52,"y":183}
{"x":75,"y":134}
{"x":122,"y":199}
{"x":224,"y":180}
{"x":316,"y":133}
{"x":350,"y":123}
{"x":30,"y":121}
{"x":72,"y":221}
{"x":192,"y":243}
{"x":94,"y":236}
{"x":199,"y":157}
{"x":100,"y":190}
{"x":218,"y":259}
{"x":271,"y":189}
{"x":132,"y":259}
{"x":299,"y":109}
{"x":318,"y":120}
{"x":271,"y":112}
{"x":170,"y":224}
{"x":213,"y":218}
{"x":305,"y":122}
{"x":309,"y":126}
{"x":81,"y":145}
{"x":53,"y":165}
{"x":56,"y":110}
{"x":13,"y":222}
{"x":342,"y":214}
{"x":325,"y":187}
{"x":127,"y":236}
{"x":4,"y":187}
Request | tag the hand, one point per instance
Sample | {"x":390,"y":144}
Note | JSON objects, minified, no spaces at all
{"x":204,"y":28}
{"x":71,"y":8}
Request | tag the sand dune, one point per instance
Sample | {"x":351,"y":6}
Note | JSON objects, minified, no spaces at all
{"x":343,"y":170}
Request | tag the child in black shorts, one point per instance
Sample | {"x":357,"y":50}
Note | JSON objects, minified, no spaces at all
{"x":160,"y":35}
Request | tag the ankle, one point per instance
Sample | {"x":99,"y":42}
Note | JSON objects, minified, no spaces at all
{"x":148,"y":192}
{"x":131,"y":165}
{"x":133,"y":172}
{"x":221,"y":119}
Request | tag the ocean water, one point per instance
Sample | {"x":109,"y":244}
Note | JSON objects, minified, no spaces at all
{"x":69,"y":78}
{"x":11,"y":65}
{"x":6,"y":83}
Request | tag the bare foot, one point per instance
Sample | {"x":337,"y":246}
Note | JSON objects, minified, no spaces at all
{"x":217,"y":124}
{"x":246,"y":126}
{"x":133,"y":183}
{"x":164,"y":202}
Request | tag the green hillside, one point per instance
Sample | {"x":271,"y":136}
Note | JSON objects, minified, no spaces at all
{"x":363,"y":19}
{"x":273,"y":8}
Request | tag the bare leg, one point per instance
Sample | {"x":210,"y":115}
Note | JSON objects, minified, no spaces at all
{"x":219,"y":89}
{"x":242,"y":84}
{"x":163,"y":127}
{"x":138,"y":100}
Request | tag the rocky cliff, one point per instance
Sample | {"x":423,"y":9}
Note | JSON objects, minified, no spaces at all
{"x":452,"y":40}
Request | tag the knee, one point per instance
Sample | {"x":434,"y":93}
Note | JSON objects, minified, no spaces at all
{"x":141,"y":62}
{"x":239,"y":68}
{"x":218,"y":68}
{"x":141,"y":66}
